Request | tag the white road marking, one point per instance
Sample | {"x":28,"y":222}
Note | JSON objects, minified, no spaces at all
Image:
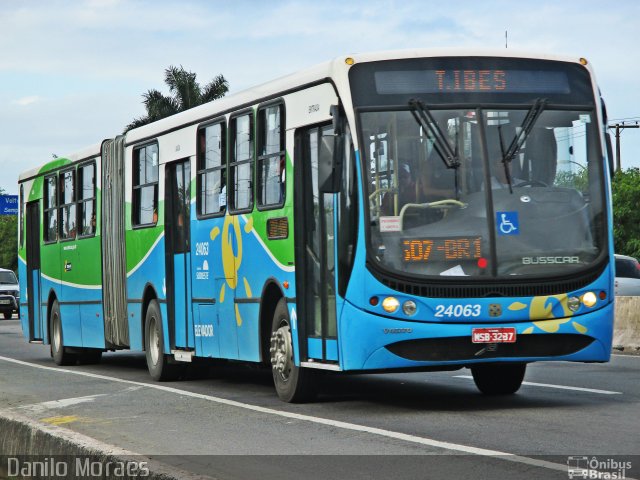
{"x":466,"y":449}
{"x":561,"y":387}
{"x":62,"y":403}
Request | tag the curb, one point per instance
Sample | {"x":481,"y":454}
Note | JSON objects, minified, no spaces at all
{"x":25,"y":441}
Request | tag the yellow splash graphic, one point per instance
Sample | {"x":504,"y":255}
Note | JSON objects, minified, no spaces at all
{"x":515,"y":306}
{"x":249,"y":225}
{"x":238,"y":317}
{"x":528,"y":330}
{"x":247,"y":287}
{"x":542,"y":314}
{"x":542,"y":307}
{"x":580,"y":328}
{"x":550,"y":326}
{"x":231,"y":261}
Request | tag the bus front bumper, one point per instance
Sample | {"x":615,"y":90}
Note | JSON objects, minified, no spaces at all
{"x":379,"y":343}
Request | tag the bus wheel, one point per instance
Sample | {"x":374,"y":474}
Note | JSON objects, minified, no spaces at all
{"x":499,"y":379}
{"x":293,"y":384}
{"x":60,"y":356}
{"x":157,"y":361}
{"x":8,"y":315}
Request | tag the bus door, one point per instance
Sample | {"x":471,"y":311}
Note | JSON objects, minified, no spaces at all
{"x":315,"y":254}
{"x":177,"y":211}
{"x":33,"y":271}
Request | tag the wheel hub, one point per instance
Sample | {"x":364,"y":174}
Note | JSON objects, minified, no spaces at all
{"x":154,"y":343}
{"x":281,"y":352}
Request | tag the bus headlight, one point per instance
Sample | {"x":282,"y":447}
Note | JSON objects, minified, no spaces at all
{"x":573,"y":303}
{"x":589,"y":299}
{"x":390,"y":304}
{"x":409,"y":307}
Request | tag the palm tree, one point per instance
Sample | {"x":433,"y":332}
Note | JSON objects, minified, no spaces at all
{"x":185,"y":94}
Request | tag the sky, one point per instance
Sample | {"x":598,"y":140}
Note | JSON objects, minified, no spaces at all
{"x":72,"y":73}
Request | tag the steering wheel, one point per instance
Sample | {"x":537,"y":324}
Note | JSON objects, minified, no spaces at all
{"x":531,"y":183}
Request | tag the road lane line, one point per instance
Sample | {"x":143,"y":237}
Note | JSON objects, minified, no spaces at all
{"x":62,"y":403}
{"x":466,"y":449}
{"x":561,"y":387}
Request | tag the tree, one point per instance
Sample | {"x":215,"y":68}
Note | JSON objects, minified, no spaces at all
{"x":626,"y":214}
{"x":185,"y":92}
{"x":8,"y":240}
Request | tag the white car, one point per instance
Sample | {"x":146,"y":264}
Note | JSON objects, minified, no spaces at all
{"x":9,"y":293}
{"x":627,"y":276}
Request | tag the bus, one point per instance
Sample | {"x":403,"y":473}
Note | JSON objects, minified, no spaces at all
{"x":395,"y":211}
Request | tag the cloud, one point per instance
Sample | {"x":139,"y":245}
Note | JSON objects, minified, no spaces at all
{"x":24,"y":101}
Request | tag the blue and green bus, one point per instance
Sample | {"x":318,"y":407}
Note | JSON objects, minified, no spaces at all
{"x":415,"y":210}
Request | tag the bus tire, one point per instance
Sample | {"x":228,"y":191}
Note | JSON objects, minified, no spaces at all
{"x":8,"y":315}
{"x":58,"y":351}
{"x":499,"y":378}
{"x":157,"y":362}
{"x":293,"y":384}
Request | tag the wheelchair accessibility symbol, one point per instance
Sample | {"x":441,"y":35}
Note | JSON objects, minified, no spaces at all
{"x":507,"y":223}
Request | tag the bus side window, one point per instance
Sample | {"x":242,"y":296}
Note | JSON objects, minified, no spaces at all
{"x":67,"y":214}
{"x":212,"y":170}
{"x":50,"y":209}
{"x":271,"y":156}
{"x":145,"y":185}
{"x":86,"y":199}
{"x":241,"y":163}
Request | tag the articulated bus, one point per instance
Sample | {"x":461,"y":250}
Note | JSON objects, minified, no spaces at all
{"x":397,"y":211}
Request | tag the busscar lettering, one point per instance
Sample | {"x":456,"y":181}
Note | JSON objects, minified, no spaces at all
{"x":549,"y":260}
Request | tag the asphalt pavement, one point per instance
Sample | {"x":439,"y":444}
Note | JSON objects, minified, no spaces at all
{"x":224,"y":420}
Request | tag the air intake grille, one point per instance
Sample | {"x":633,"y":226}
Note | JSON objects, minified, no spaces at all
{"x":461,"y":348}
{"x":486,"y":289}
{"x":277,"y":228}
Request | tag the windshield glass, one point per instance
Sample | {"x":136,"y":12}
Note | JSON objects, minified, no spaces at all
{"x":8,"y":278}
{"x":431,"y":212}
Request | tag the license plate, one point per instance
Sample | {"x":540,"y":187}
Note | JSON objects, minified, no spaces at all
{"x":493,"y":335}
{"x":5,"y":302}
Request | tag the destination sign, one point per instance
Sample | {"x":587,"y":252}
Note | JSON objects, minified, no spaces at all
{"x":453,"y":80}
{"x":422,"y":250}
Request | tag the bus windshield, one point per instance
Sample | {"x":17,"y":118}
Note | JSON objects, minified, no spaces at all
{"x":447,"y":198}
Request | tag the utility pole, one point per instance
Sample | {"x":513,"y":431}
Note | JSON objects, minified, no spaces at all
{"x":619,"y":127}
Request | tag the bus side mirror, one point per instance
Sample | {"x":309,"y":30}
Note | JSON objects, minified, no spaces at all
{"x":331,"y":155}
{"x":610,"y":154}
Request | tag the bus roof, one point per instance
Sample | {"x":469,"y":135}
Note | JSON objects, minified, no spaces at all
{"x":336,"y":70}
{"x":84,"y":154}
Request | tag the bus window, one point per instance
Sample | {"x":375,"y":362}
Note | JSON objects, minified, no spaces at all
{"x":212,"y":170}
{"x":241,"y":166}
{"x":67,"y":205}
{"x":86,"y":199}
{"x":50,"y":209}
{"x":271,"y":156}
{"x":145,"y":185}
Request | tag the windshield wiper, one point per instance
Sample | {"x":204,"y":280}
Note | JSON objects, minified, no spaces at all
{"x":423,"y":116}
{"x":518,"y":140}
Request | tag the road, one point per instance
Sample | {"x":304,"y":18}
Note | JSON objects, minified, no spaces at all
{"x":226,"y":421}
